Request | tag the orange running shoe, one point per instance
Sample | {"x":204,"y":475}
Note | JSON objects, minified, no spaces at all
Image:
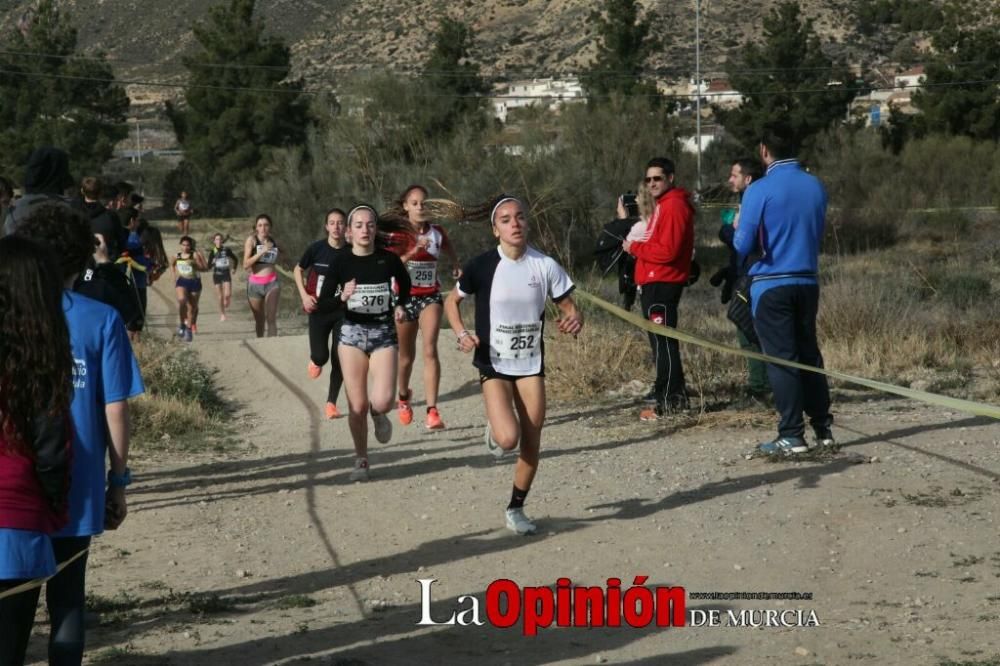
{"x":405,"y":411}
{"x":331,"y":411}
{"x":433,"y":421}
{"x":651,"y":413}
{"x":194,"y":328}
{"x":314,"y":370}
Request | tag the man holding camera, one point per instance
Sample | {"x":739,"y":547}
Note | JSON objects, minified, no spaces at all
{"x":662,"y":268}
{"x":782,"y":219}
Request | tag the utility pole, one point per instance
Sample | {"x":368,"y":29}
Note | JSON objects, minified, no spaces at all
{"x":697,"y":86}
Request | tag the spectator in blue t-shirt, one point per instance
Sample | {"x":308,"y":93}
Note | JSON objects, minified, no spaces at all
{"x":105,"y":376}
{"x":781,"y":219}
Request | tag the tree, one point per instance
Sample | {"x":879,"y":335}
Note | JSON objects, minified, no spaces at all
{"x":406,"y":117}
{"x":455,"y":88}
{"x":624,"y":43}
{"x":789,"y":79}
{"x":239,"y":103}
{"x":960,"y":93}
{"x":51,"y":96}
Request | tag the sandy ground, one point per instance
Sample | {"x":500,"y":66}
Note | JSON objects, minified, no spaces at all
{"x":269,"y":555}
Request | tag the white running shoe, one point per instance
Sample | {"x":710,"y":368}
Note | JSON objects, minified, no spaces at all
{"x":495,"y":449}
{"x":360,"y":471}
{"x":518,"y":522}
{"x":383,"y":427}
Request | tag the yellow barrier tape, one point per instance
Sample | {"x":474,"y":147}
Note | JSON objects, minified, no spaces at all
{"x":38,"y":582}
{"x":957,"y":404}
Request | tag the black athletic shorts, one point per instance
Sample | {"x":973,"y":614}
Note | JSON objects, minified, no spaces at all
{"x":486,"y":375}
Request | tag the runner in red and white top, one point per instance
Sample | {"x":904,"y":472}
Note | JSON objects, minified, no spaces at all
{"x":420,"y":249}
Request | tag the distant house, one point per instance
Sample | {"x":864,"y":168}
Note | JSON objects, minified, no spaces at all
{"x":689,"y":144}
{"x":910,"y":79}
{"x":720,"y":92}
{"x":550,"y":93}
{"x":697,"y":87}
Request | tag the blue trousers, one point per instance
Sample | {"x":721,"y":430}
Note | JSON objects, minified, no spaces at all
{"x":785,"y":320}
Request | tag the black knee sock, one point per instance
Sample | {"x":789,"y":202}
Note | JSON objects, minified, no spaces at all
{"x":517,"y":498}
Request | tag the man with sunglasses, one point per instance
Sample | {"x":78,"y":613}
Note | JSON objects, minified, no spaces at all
{"x":663,"y":265}
{"x":782,"y":221}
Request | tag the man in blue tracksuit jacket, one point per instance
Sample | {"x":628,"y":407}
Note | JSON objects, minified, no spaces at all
{"x":782,"y":219}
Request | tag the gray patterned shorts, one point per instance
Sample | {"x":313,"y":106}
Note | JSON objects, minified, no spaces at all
{"x":418,"y":303}
{"x":369,"y":338}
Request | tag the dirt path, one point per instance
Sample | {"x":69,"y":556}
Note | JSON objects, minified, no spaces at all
{"x":272,"y":556}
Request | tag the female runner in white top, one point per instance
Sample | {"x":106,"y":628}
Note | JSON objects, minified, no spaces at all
{"x":511,"y":284}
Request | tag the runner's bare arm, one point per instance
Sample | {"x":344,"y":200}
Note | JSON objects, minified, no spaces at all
{"x":571,"y":321}
{"x":249,"y":258}
{"x":467,"y":340}
{"x":117,"y":416}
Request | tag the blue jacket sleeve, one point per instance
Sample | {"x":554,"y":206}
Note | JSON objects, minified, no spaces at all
{"x":751,"y":217}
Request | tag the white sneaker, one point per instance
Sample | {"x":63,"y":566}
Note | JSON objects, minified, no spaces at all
{"x":495,"y":449}
{"x":383,"y":427}
{"x":360,"y":471}
{"x":518,"y":522}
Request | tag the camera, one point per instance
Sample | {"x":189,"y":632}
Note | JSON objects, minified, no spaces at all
{"x":630,"y":204}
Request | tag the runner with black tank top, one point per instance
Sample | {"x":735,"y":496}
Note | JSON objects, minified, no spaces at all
{"x":185,"y":267}
{"x":420,"y":247}
{"x":362,"y":280}
{"x":223,"y":262}
{"x":260,"y":256}
{"x":325,"y":323}
{"x":512,"y":284}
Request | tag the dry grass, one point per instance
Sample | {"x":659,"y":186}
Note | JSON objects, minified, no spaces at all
{"x":181,"y":402}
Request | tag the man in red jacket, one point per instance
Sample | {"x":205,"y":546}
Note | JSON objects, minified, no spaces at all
{"x":663,"y":264}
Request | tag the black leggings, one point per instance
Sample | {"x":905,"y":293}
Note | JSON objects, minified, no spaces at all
{"x":322,"y":348}
{"x":17,"y":615}
{"x":65,"y":596}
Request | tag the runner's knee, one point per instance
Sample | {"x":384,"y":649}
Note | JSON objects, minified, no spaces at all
{"x":507,"y":436}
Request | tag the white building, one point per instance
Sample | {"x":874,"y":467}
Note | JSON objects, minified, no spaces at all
{"x":549,"y":93}
{"x":689,"y":144}
{"x":911,"y":78}
{"x":720,"y":92}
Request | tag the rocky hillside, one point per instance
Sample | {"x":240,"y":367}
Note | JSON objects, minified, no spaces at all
{"x":515,"y":38}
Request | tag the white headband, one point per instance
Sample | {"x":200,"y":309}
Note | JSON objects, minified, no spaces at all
{"x":502,"y":202}
{"x":361,"y":207}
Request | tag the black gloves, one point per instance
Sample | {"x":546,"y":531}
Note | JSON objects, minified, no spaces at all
{"x":726,"y":278}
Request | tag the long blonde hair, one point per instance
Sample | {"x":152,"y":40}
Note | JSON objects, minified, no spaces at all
{"x":645,"y":200}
